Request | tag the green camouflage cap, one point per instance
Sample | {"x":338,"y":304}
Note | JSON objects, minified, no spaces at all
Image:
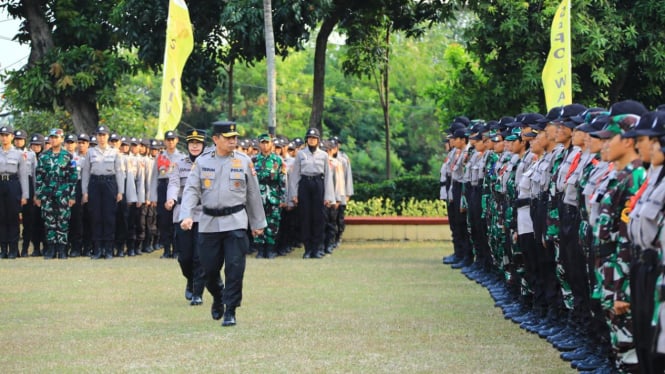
{"x":515,"y":134}
{"x":617,"y":125}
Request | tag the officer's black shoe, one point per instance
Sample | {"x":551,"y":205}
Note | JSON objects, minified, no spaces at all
{"x":49,"y":252}
{"x":217,"y":309}
{"x":131,"y":253}
{"x":589,"y":363}
{"x":317,"y":254}
{"x":578,"y":354}
{"x":329,"y":249}
{"x":96,"y":254}
{"x":449,"y":260}
{"x":188,"y":291}
{"x":62,"y":251}
{"x":270,"y":253}
{"x":120,"y":253}
{"x":307,"y":255}
{"x":75,"y":253}
{"x":108,"y":253}
{"x":229,"y":317}
{"x":166,"y":255}
{"x":196,"y":300}
{"x":3,"y":252}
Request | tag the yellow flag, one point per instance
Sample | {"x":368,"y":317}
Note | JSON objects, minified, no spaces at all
{"x":557,"y":74}
{"x":179,"y":44}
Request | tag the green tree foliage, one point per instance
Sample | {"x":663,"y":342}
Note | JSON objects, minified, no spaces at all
{"x":617,"y":54}
{"x":73,"y":58}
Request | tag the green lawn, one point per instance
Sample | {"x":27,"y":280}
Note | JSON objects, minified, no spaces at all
{"x":371,"y":307}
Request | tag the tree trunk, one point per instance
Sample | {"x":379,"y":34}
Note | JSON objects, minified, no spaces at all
{"x":41,"y":39}
{"x":318,"y":91}
{"x":84,"y":114}
{"x":229,"y":93}
{"x":386,"y":103}
{"x":271,"y":69}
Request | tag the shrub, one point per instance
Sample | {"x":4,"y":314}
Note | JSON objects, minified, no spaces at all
{"x":380,"y":207}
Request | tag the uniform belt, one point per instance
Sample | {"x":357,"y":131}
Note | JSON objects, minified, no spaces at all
{"x":8,"y":177}
{"x":522,"y":202}
{"x":103,"y":177}
{"x":223,"y":211}
{"x":162,"y":180}
{"x":648,"y":257}
{"x":312,"y":177}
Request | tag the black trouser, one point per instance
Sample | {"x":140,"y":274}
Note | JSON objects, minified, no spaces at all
{"x":478,"y":227}
{"x":461,"y":241}
{"x":226,"y":249}
{"x":102,"y":193}
{"x":188,"y":258}
{"x":550,"y":292}
{"x":643,"y":274}
{"x":164,"y":217}
{"x":134,"y":225}
{"x":76,"y":221}
{"x":10,"y":206}
{"x":341,"y":225}
{"x":529,"y":248}
{"x":331,"y":226}
{"x":27,"y":211}
{"x":574,"y":260}
{"x":310,"y":204}
{"x":121,"y":225}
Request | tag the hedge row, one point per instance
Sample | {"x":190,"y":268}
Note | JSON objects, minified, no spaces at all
{"x":399,"y":190}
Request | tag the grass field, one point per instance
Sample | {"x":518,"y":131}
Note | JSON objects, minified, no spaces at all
{"x":371,"y":307}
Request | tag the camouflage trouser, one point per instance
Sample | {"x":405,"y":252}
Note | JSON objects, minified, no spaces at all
{"x":56,"y":213}
{"x":621,"y":326}
{"x":273,"y":217}
{"x":497,"y":235}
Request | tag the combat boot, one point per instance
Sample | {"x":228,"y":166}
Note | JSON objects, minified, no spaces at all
{"x":24,"y":248}
{"x":36,"y":251}
{"x":76,"y":250}
{"x":119,"y":250}
{"x":107,"y":252}
{"x":62,"y":251}
{"x":270,"y":251}
{"x":130,"y":248}
{"x":13,"y":250}
{"x":3,"y":250}
{"x":96,"y":252}
{"x":167,"y":252}
{"x":49,"y":251}
{"x":260,"y":250}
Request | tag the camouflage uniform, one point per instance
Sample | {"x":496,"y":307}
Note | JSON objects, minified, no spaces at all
{"x":56,"y":177}
{"x":271,"y":173}
{"x":614,"y":252}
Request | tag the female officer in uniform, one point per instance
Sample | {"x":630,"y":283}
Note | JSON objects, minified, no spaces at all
{"x":102,"y":182}
{"x":13,"y":192}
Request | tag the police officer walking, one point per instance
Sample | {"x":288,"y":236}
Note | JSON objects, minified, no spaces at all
{"x":225,"y":183}
{"x":312,"y":189}
{"x":13,"y":192}
{"x":55,"y":190}
{"x":102,"y":184}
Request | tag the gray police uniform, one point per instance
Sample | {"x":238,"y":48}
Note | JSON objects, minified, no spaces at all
{"x":228,"y":190}
{"x":312,"y":182}
{"x":13,"y":188}
{"x":163,"y":167}
{"x":102,"y":179}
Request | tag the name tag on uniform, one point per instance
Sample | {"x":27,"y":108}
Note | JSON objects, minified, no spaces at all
{"x":12,"y":161}
{"x":109,"y":158}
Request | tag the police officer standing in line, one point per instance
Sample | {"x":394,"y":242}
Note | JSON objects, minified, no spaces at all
{"x":312,"y":189}
{"x":37,"y":146}
{"x":79,"y":224}
{"x":102,"y":184}
{"x":13,"y":192}
{"x":271,"y":174}
{"x":55,"y":193}
{"x":187,"y":241}
{"x":20,"y":137}
{"x":225,"y":183}
{"x":163,"y":167}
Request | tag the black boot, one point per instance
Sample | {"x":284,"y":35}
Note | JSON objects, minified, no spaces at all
{"x":96,"y":252}
{"x":24,"y":248}
{"x":62,"y":251}
{"x":76,"y":250}
{"x":36,"y":252}
{"x":3,"y":250}
{"x":130,"y":248}
{"x":137,"y":247}
{"x":13,"y":250}
{"x":49,"y":251}
{"x":167,"y":252}
{"x":119,"y":250}
{"x":107,"y":252}
{"x":260,"y":250}
{"x":270,"y":251}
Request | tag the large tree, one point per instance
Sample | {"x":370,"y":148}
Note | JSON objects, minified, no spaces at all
{"x":73,"y":58}
{"x":409,"y":16}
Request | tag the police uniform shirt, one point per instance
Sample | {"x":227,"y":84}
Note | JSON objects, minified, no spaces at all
{"x":443,"y":193}
{"x":102,"y":162}
{"x":337,"y":171}
{"x":163,"y":166}
{"x":348,"y":174}
{"x":223,"y":182}
{"x":177,"y":181}
{"x":457,"y":167}
{"x":289,"y":162}
{"x":647,"y":214}
{"x":30,"y":161}
{"x":471,"y":157}
{"x":525,"y":191}
{"x":570,"y":185}
{"x":600,"y":184}
{"x":12,"y":162}
{"x":135,"y":186}
{"x":565,"y":167}
{"x":78,"y":159}
{"x":307,"y":164}
{"x":148,"y":162}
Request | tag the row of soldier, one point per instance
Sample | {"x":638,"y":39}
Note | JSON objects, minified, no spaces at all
{"x":560,"y":217}
{"x":120,"y":200}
